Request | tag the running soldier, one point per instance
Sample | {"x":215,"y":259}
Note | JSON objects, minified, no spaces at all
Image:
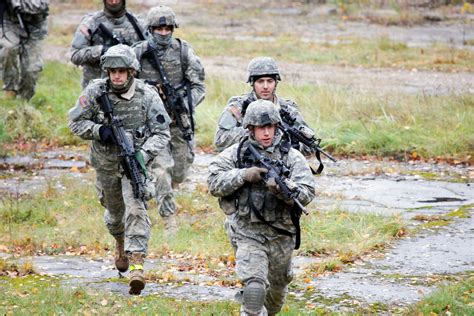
{"x":261,"y":221}
{"x":141,"y":114}
{"x":24,"y":26}
{"x":99,"y":31}
{"x":171,"y":65}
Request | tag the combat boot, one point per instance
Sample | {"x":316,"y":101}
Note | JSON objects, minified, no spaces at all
{"x":171,"y":227}
{"x":137,"y":277}
{"x":9,"y":94}
{"x":121,"y":259}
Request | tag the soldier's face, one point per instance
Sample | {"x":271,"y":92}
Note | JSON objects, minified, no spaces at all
{"x":114,"y":3}
{"x":264,"y":134}
{"x":163,"y":30}
{"x":264,"y":88}
{"x":118,"y":76}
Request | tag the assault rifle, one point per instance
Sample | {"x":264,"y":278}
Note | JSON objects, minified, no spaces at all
{"x":287,"y":126}
{"x":130,"y":162}
{"x":278,"y":171}
{"x":109,"y":37}
{"x":173,"y":100}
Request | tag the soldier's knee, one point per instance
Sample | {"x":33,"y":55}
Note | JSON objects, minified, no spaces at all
{"x":254,"y":297}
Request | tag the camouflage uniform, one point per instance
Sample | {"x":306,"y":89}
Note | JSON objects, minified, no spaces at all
{"x":186,"y":74}
{"x":88,"y":45}
{"x":263,"y":255}
{"x":230,"y":130}
{"x":21,"y":51}
{"x":143,"y":115}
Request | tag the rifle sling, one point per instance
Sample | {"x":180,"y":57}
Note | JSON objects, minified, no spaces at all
{"x":137,"y":29}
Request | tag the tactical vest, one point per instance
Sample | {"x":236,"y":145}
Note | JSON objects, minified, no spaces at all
{"x":254,"y":200}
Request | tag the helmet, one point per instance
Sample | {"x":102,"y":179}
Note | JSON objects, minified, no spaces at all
{"x":119,"y":56}
{"x":260,"y":113}
{"x":263,"y":66}
{"x":161,"y":15}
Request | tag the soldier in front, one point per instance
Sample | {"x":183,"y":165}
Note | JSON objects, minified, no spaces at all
{"x":139,"y":114}
{"x":260,"y":221}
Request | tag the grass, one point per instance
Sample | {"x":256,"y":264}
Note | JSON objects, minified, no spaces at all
{"x":349,"y":122}
{"x":44,"y":295}
{"x":451,"y":299}
{"x":67,"y":217}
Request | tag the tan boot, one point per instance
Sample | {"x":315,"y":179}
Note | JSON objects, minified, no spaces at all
{"x":121,"y":260}
{"x":137,"y":277}
{"x":171,"y":227}
{"x":9,"y":94}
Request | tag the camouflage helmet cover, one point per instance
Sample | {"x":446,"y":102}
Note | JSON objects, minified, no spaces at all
{"x":261,"y":113}
{"x":161,"y":15}
{"x":261,"y":66}
{"x":119,"y":56}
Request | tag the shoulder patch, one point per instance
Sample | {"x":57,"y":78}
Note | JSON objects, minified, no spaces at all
{"x":84,"y":30}
{"x":83,"y":101}
{"x":235,"y":110}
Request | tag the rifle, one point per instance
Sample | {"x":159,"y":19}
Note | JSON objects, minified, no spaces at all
{"x":278,"y":171}
{"x":109,"y":37}
{"x":173,"y":101}
{"x":312,"y":142}
{"x":130,"y":161}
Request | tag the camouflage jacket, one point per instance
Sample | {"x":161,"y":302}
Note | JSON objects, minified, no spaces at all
{"x":34,"y":14}
{"x":181,"y":65}
{"x":88,"y":43}
{"x":237,"y":198}
{"x":230,"y":130}
{"x":141,"y":111}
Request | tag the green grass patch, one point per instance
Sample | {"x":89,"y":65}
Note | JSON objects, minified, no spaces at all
{"x":452,"y":299}
{"x":40,"y":295}
{"x":348,"y":234}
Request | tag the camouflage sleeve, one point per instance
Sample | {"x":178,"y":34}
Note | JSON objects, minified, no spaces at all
{"x":83,"y":120}
{"x":229,"y":131}
{"x":158,"y":123}
{"x":223,"y":177}
{"x":195,"y":74}
{"x":82,"y":52}
{"x":302,"y":176}
{"x":139,"y":48}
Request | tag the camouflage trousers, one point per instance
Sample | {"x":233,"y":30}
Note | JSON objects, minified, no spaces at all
{"x":171,"y":167}
{"x":124,"y":215}
{"x":21,"y":62}
{"x":269,"y":262}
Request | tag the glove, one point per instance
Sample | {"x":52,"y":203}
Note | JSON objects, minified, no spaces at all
{"x":274,"y":188}
{"x":254,"y":174}
{"x":106,"y":135}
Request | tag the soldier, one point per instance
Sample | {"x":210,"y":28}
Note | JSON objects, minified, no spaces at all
{"x":171,"y":64}
{"x":259,"y":221}
{"x":91,"y":41}
{"x":24,"y":26}
{"x":263,"y":76}
{"x":146,"y":122}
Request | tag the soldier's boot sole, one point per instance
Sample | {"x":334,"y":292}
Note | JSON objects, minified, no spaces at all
{"x":137,"y":282}
{"x":122,"y":264}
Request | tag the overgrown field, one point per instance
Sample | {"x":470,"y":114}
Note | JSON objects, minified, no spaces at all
{"x":350,"y":123}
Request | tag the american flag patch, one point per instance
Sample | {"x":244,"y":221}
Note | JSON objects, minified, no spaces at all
{"x":234,"y":109}
{"x":83,"y":101}
{"x":85,"y":30}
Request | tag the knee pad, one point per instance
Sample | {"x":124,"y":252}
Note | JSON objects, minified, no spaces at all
{"x":254,"y":297}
